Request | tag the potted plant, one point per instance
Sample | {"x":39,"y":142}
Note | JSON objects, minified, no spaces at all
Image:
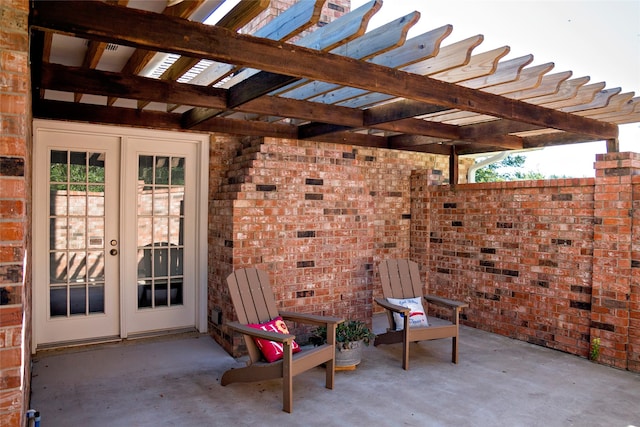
{"x":351,"y":336}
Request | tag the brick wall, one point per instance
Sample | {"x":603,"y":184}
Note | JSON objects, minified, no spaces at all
{"x":316,"y":216}
{"x":548,"y":262}
{"x":15,"y":290}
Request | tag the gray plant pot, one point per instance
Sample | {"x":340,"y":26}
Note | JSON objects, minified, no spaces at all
{"x":349,"y":356}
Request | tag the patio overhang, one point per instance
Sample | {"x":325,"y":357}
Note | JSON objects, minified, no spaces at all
{"x":337,"y":84}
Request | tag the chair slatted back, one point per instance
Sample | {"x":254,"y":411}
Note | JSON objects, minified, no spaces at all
{"x":400,"y":279}
{"x":252,"y":296}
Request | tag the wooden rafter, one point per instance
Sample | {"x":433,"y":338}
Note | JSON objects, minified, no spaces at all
{"x":141,"y":57}
{"x":95,"y":50}
{"x":243,"y":13}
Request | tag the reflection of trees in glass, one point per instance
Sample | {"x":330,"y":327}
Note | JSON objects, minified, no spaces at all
{"x":166,"y":170}
{"x":76,"y":170}
{"x":177,"y":171}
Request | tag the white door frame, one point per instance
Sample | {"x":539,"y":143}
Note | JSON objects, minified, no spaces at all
{"x":201,"y":207}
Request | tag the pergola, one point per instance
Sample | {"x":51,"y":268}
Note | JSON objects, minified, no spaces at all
{"x":337,"y":83}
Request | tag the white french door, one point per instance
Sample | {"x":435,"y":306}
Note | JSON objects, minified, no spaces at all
{"x":118,"y":232}
{"x":76,"y":226}
{"x":160,"y":178}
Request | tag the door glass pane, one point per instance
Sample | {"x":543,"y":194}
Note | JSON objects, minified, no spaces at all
{"x":58,"y":233}
{"x":95,"y":266}
{"x":144,"y":293}
{"x":176,"y":292}
{"x":177,"y":171}
{"x":78,"y":199}
{"x":160,"y":293}
{"x":96,"y":232}
{"x":145,"y":169}
{"x":76,"y":239}
{"x":77,"y":267}
{"x":58,"y":171}
{"x":96,"y":168}
{"x":162,"y":170}
{"x":145,"y":231}
{"x":175,"y":229}
{"x":160,"y":224}
{"x":77,"y":299}
{"x":160,"y":230}
{"x":58,"y":301}
{"x":176,"y":265}
{"x":96,"y":298}
{"x":58,"y":268}
{"x":144,"y":263}
{"x":77,"y":233}
{"x":58,"y":199}
{"x":145,"y":200}
{"x":77,"y":167}
{"x":96,"y":200}
{"x":176,"y":203}
{"x":161,"y":261}
{"x":161,"y":201}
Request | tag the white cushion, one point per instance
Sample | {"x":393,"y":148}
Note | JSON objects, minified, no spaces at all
{"x":417,"y":317}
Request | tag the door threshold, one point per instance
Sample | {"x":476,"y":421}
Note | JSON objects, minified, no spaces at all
{"x":77,"y":345}
{"x":164,"y":333}
{"x":91,"y":344}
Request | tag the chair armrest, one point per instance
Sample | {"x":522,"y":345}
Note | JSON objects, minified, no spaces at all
{"x":395,"y":308}
{"x":259,"y":333}
{"x":445,"y":302}
{"x":310,"y":318}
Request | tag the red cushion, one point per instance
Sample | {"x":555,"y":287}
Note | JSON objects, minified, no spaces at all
{"x":272,"y":350}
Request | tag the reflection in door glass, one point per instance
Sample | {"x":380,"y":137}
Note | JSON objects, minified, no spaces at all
{"x":160,"y":221}
{"x":76,"y":233}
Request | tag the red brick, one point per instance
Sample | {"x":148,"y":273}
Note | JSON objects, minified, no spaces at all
{"x":13,"y":188}
{"x":12,"y":419}
{"x":10,"y":378}
{"x":11,"y":254}
{"x":12,"y":41}
{"x":12,"y":231}
{"x":11,"y":357}
{"x":10,"y":400}
{"x":10,"y":316}
{"x":11,"y":146}
{"x":13,"y":104}
{"x":11,"y":209}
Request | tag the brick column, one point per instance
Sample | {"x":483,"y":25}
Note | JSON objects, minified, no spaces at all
{"x":15,"y":293}
{"x":633,"y":351}
{"x":612,"y":255}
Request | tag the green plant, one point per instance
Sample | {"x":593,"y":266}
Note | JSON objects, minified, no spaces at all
{"x":594,"y":353}
{"x":347,"y":332}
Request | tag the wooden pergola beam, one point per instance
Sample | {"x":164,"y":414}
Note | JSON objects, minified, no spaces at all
{"x":58,"y":110}
{"x":68,"y":79}
{"x":164,"y":33}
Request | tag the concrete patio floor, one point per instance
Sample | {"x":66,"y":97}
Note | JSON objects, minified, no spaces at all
{"x":175,"y":381}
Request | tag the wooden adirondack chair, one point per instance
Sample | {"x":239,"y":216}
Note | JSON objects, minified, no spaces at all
{"x":401,"y":279}
{"x":254,"y":303}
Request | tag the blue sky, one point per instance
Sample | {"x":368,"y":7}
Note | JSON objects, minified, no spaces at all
{"x":599,"y":39}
